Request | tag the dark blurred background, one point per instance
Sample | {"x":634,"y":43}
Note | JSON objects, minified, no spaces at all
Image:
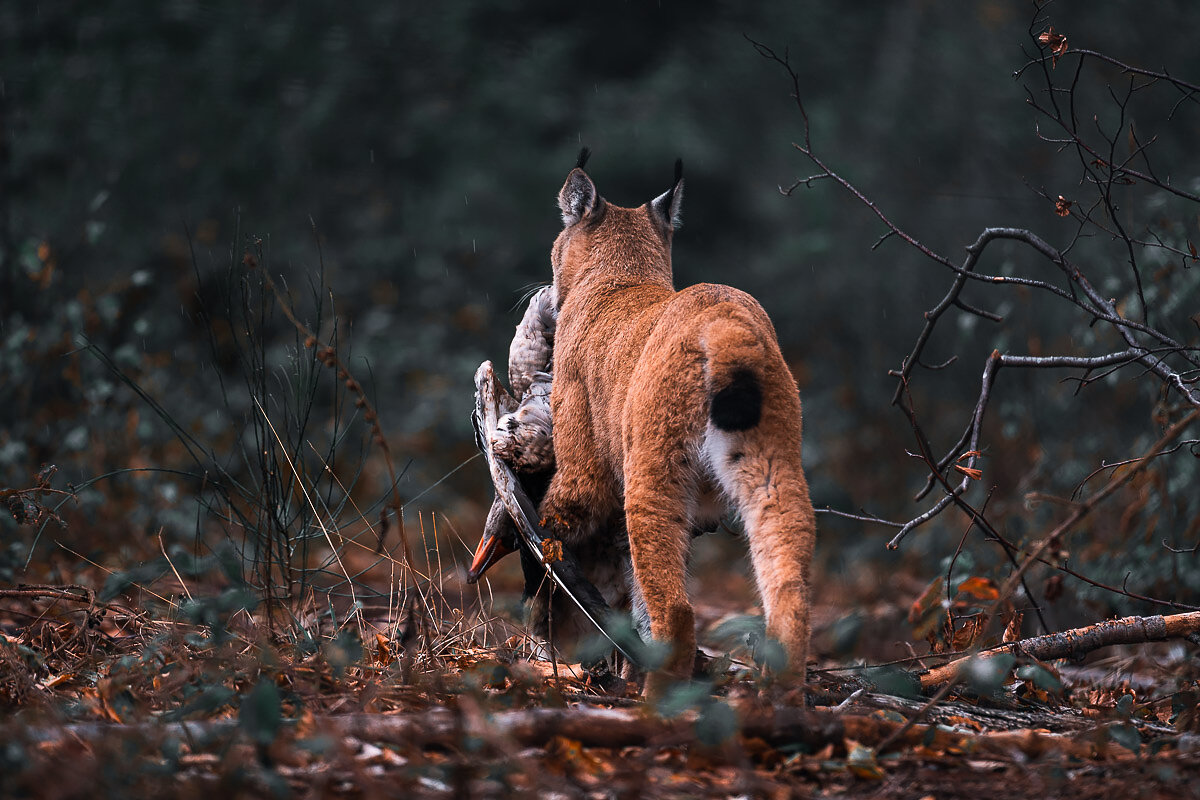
{"x":400,"y":161}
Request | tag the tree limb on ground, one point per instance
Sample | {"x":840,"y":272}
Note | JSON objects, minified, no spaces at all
{"x":613,"y":728}
{"x":1077,"y":642}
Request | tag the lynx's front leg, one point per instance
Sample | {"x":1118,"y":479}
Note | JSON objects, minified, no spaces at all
{"x":581,"y":493}
{"x":657,"y":516}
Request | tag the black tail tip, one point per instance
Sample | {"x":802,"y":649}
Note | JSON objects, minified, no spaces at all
{"x":584,"y":154}
{"x":738,"y":407}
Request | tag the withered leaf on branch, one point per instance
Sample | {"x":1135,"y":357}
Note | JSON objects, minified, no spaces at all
{"x":1062,"y":206}
{"x":383,"y":649}
{"x":970,"y":472}
{"x":47,"y":471}
{"x":1057,"y":43}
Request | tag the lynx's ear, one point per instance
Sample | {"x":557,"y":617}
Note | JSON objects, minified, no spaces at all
{"x":578,"y":197}
{"x":666,"y":206}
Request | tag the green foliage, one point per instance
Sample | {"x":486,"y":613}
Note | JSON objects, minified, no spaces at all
{"x":202,"y":702}
{"x":260,"y":714}
{"x":684,"y":696}
{"x":342,"y":651}
{"x":749,"y":633}
{"x":716,"y":722}
{"x":1126,"y":735}
{"x":650,"y":655}
{"x":986,"y":675}
{"x":119,"y":581}
{"x":893,"y":680}
{"x":214,"y":611}
{"x":1040,"y":677}
{"x":845,"y":632}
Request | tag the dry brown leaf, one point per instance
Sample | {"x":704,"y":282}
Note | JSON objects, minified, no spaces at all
{"x":383,"y":652}
{"x":1053,"y":588}
{"x":970,"y":472}
{"x":979,"y":588}
{"x":1012,"y":631}
{"x":1057,"y":43}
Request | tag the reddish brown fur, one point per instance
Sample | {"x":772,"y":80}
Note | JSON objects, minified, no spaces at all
{"x":636,"y":366}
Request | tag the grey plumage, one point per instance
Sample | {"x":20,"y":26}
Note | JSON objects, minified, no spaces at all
{"x":524,"y":437}
{"x":532,"y":348}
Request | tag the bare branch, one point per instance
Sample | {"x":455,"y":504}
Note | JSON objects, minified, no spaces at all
{"x":1077,"y":642}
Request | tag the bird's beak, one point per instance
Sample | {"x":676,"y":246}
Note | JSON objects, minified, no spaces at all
{"x":490,"y":550}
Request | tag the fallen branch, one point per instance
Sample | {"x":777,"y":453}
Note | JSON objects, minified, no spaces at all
{"x":612,"y":728}
{"x":1077,"y":642}
{"x":73,"y":593}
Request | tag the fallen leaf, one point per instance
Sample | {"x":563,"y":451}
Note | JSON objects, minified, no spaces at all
{"x":1012,"y":631}
{"x":50,"y":683}
{"x":383,"y":650}
{"x":861,"y":761}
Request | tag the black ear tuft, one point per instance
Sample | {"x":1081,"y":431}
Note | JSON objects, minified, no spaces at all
{"x":584,"y":154}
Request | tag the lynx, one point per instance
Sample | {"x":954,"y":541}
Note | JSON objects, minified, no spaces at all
{"x":668,"y":406}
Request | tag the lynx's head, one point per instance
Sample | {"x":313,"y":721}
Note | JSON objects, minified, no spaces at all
{"x":605,"y":242}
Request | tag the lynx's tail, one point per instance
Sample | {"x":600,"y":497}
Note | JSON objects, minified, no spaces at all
{"x":732,"y":354}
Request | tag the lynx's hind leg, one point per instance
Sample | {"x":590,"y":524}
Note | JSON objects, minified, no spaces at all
{"x":762,"y":476}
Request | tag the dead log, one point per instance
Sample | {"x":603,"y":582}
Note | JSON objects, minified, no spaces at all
{"x":607,"y":727}
{"x":1077,"y":642}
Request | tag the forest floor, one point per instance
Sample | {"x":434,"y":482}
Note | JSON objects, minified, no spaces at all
{"x":173,"y":689}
